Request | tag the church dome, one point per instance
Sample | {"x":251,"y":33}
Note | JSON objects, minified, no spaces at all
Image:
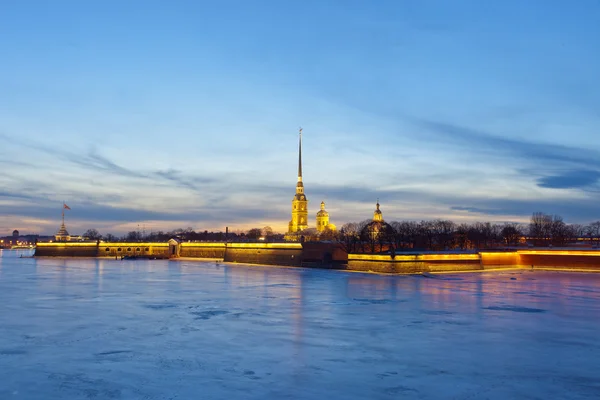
{"x":377,"y":215}
{"x":377,"y":229}
{"x":322,"y":212}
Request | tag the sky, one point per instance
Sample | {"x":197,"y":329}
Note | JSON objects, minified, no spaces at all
{"x":175,"y":114}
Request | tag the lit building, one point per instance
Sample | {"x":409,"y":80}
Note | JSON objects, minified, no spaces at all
{"x":62,"y":235}
{"x":323,"y":220}
{"x":299,"y":219}
{"x":377,"y":231}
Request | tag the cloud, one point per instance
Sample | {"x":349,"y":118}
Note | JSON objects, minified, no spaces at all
{"x":550,"y":155}
{"x":570,"y":180}
{"x":573,"y":210}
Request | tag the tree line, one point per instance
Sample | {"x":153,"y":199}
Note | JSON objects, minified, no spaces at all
{"x":186,"y":234}
{"x":435,"y":235}
{"x":542,"y":230}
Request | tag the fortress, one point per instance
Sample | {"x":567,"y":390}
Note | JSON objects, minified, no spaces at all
{"x":326,"y":254}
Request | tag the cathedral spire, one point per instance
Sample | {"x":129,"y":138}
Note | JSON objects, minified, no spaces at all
{"x":300,"y":157}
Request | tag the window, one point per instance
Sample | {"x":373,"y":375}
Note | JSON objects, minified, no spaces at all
{"x":107,"y":249}
{"x":138,"y":249}
{"x":129,"y":249}
{"x":146,"y":249}
{"x":119,"y":249}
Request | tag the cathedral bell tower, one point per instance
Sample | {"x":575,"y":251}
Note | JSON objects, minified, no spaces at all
{"x":299,"y":203}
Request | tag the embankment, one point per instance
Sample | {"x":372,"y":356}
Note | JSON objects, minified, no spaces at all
{"x":546,"y":259}
{"x":288,"y":254}
{"x":414,"y":263}
{"x":295,"y":254}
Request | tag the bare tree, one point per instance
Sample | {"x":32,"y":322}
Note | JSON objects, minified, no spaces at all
{"x":349,"y":237}
{"x":593,"y":232}
{"x":461,"y":236}
{"x":254,"y":233}
{"x":443,"y":233}
{"x":328,"y":234}
{"x":511,"y":234}
{"x":267,"y":232}
{"x":92,"y":234}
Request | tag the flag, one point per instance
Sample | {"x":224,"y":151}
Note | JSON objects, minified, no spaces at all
{"x":66,"y":207}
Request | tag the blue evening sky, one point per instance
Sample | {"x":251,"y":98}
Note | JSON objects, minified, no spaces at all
{"x":169,"y":114}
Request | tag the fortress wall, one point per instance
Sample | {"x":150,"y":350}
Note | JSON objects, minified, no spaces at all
{"x":160,"y":250}
{"x":63,"y":249}
{"x":202,"y":250}
{"x":509,"y":259}
{"x":563,"y":259}
{"x":91,"y":249}
{"x":292,"y":254}
{"x":288,"y":254}
{"x":414,"y":264}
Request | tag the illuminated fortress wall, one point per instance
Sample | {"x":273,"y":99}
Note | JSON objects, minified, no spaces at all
{"x":565,"y":260}
{"x":288,"y":254}
{"x":202,"y":250}
{"x":66,"y":250}
{"x":560,"y":259}
{"x":92,"y":249}
{"x":293,"y":254}
{"x":414,"y":263}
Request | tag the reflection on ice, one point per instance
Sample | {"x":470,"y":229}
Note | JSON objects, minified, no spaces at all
{"x":89,"y":328}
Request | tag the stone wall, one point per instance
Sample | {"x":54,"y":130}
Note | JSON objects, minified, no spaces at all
{"x":202,"y":250}
{"x":293,"y":254}
{"x":414,"y":263}
{"x":93,"y":249}
{"x":508,"y":259}
{"x":288,"y":254}
{"x":66,"y":249}
{"x":560,"y":259}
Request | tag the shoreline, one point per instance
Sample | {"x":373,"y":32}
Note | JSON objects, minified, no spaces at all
{"x":343,"y":268}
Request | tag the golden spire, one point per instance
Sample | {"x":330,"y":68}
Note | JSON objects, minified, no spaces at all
{"x":300,"y":156}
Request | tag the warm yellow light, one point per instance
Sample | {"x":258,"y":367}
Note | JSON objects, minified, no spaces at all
{"x":266,"y":245}
{"x":414,"y":257}
{"x":202,"y":244}
{"x":592,"y":253}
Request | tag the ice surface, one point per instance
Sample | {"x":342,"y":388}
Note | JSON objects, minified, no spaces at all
{"x":106,"y":329}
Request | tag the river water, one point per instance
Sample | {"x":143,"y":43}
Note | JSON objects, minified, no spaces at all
{"x":159,"y":329}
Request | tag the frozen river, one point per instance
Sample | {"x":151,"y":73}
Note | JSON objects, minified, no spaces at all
{"x":106,"y":329}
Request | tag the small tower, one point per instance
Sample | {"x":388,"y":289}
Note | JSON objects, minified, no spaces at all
{"x":322,"y":218}
{"x":62,"y":235}
{"x":377,"y":215}
{"x":299,"y":219}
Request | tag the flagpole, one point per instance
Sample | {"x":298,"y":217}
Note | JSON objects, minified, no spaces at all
{"x":63,"y":213}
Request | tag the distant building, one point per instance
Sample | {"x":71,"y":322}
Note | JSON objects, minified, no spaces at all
{"x":323,"y":220}
{"x":377,"y":230}
{"x":62,"y":235}
{"x":15,"y":233}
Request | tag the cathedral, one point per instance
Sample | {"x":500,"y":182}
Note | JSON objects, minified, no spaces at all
{"x":299,"y":221}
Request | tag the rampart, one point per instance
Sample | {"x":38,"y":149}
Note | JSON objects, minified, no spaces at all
{"x":297,"y":254}
{"x":554,"y":259}
{"x":288,"y":254}
{"x":102,"y":249}
{"x":414,"y":263}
